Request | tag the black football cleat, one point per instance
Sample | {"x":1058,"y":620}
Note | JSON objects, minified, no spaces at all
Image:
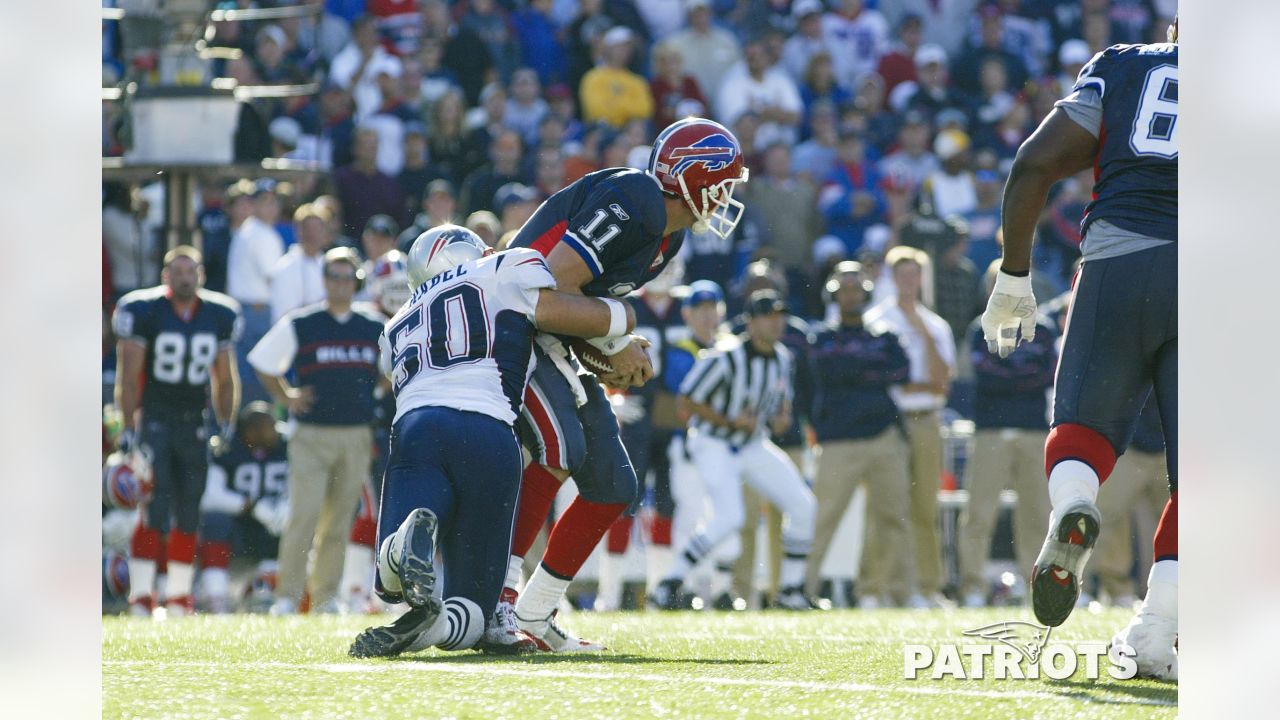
{"x":1055,"y":580}
{"x":393,"y":639}
{"x":727,"y":602}
{"x":417,"y":559}
{"x":668,"y":595}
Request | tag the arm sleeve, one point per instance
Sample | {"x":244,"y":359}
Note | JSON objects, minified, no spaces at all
{"x":274,"y":353}
{"x":707,"y":374}
{"x":229,"y":331}
{"x":128,"y":323}
{"x":1084,"y":107}
{"x":218,"y":495}
{"x":385,"y":357}
{"x":520,"y":276}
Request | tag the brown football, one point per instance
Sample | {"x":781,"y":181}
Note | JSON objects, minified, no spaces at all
{"x":591,"y":357}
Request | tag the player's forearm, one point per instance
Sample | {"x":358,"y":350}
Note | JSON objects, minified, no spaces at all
{"x":578,"y":315}
{"x":128,"y":392}
{"x":275,"y":386}
{"x":686,"y":406}
{"x":1024,"y":198}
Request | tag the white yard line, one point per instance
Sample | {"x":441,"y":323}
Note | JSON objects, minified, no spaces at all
{"x":495,"y":669}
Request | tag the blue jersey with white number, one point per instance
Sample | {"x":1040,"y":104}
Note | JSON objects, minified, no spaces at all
{"x":1136,"y":171}
{"x":245,"y":474}
{"x":180,"y":351}
{"x":465,"y":338}
{"x":614,"y":219}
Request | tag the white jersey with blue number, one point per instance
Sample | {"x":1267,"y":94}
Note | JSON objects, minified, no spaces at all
{"x":465,"y":338}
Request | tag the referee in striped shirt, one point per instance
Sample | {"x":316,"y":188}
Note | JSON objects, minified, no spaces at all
{"x":734,"y":395}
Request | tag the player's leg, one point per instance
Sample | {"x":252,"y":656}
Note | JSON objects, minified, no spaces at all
{"x":990,"y":471}
{"x":216,"y":534}
{"x":770,"y":471}
{"x":357,"y":568}
{"x":191,"y":472}
{"x":308,"y":477}
{"x":155,"y":519}
{"x":744,"y":568}
{"x":350,"y":475}
{"x":839,"y":467}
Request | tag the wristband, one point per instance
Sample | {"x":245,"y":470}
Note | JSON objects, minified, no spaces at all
{"x":1007,"y":284}
{"x":617,"y":317}
{"x":611,"y":345}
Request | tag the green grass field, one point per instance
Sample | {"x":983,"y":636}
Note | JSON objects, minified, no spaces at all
{"x":838,"y":664}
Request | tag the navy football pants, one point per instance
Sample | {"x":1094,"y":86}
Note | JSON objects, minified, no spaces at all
{"x":180,"y":465}
{"x":464,"y":467}
{"x":1121,"y":342}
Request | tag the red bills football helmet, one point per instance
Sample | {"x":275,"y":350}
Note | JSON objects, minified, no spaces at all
{"x":126,"y":480}
{"x":701,"y":161}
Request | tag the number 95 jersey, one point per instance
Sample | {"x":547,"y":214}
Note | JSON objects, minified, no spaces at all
{"x":180,"y":351}
{"x":465,"y":338}
{"x":1136,"y":171}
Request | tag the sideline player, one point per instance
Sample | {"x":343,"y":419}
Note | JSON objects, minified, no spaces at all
{"x":1122,"y":330}
{"x":459,"y":354}
{"x":605,"y":235}
{"x":175,"y":340}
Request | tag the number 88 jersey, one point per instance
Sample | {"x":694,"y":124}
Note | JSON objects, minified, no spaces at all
{"x":180,"y":351}
{"x":465,"y":338}
{"x":1136,"y":171}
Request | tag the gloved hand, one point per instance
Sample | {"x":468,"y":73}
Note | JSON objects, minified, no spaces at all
{"x":219,"y":444}
{"x":1012,"y":306}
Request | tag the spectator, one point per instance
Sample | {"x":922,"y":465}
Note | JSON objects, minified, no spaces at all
{"x":357,"y":67}
{"x":439,"y":206}
{"x":1072,"y":56}
{"x":505,"y":156}
{"x":898,"y":65}
{"x":912,"y":162}
{"x":297,"y":278}
{"x":931,"y":350}
{"x":437,"y":80}
{"x":133,"y":253}
{"x":446,"y":141}
{"x":663,"y":18}
{"x":881,"y":122}
{"x":671,"y":87}
{"x":1010,"y":411}
{"x":1009,"y":132}
{"x":851,"y":200}
{"x":984,"y":219}
{"x":465,"y":54}
{"x":515,"y":203}
{"x":379,"y":238}
{"x":215,"y":235}
{"x":994,"y":100}
{"x":788,"y":210}
{"x":483,"y":124}
{"x":708,"y":51}
{"x":951,"y":189}
{"x":525,"y":106}
{"x":583,"y":38}
{"x":968,"y":67}
{"x":931,"y":94}
{"x":332,"y":351}
{"x":485,"y":224}
{"x":857,"y":36}
{"x":761,"y":88}
{"x":560,"y":105}
{"x":958,"y":297}
{"x":540,"y":46}
{"x":610,"y":91}
{"x":820,"y":86}
{"x":333,"y":146}
{"x":489,"y":22}
{"x":807,"y":40}
{"x":269,"y":58}
{"x":397,"y":23}
{"x":549,"y":177}
{"x":858,"y":426}
{"x":324,"y":33}
{"x":363,"y":189}
{"x":945,"y":23}
{"x":255,"y":249}
{"x":815,"y":158}
{"x":417,"y":170}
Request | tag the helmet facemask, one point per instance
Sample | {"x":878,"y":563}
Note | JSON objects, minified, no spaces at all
{"x":717,"y":211}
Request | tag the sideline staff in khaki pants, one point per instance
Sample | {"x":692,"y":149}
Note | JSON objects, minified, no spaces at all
{"x":931,"y":349}
{"x":333,"y":349}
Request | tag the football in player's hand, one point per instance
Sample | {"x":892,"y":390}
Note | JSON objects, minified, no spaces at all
{"x":591,"y":357}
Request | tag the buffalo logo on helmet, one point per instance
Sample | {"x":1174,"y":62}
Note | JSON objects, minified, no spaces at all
{"x":125,"y":482}
{"x":714,"y":152}
{"x":115,"y":575}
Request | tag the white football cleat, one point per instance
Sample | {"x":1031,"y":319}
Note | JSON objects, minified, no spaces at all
{"x":1154,"y":641}
{"x":551,"y":638}
{"x":502,"y":635}
{"x":284,"y":606}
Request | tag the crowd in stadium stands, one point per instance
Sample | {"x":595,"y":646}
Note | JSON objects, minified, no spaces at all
{"x":867,"y":125}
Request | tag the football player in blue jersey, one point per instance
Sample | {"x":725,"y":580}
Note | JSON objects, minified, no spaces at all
{"x":176,"y":341}
{"x":1121,"y":118}
{"x":460,"y":354}
{"x":605,"y":235}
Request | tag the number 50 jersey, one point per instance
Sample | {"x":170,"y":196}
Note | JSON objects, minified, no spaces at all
{"x":465,"y":338}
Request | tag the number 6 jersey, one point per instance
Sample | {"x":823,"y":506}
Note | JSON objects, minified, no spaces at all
{"x":465,"y":338}
{"x":180,"y":351}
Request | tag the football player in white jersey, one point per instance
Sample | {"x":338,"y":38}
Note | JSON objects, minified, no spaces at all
{"x":459,"y":354}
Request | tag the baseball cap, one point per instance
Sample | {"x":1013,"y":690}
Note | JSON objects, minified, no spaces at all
{"x":383,"y":225}
{"x":439,"y":186}
{"x":764,"y":302}
{"x":618,"y":34}
{"x":930,"y":53}
{"x":950,"y":117}
{"x":275,"y":34}
{"x":803,"y":8}
{"x":701,"y":291}
{"x":513,"y":193}
{"x":1074,"y":52}
{"x":827,"y":247}
{"x":285,"y":130}
{"x":949,"y":143}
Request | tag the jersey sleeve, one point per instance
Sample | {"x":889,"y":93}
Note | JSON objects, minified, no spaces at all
{"x":618,"y":219}
{"x":232,"y":326}
{"x":131,"y":321}
{"x":520,"y":276}
{"x":384,"y":354}
{"x":274,"y":353}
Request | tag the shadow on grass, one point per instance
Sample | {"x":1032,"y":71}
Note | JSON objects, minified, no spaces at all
{"x":586,"y":658}
{"x":1163,"y":692}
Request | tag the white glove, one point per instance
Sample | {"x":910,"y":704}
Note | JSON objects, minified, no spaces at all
{"x":627,"y":408}
{"x":1012,"y":306}
{"x":272,"y":514}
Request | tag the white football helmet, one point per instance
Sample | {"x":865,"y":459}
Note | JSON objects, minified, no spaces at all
{"x":442,"y":248}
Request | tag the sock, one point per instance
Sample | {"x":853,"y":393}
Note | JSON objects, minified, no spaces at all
{"x":388,"y":574}
{"x":721,"y":579}
{"x":1162,"y":590}
{"x":357,"y":573}
{"x":609,"y":594}
{"x":538,"y":488}
{"x":577,"y":533}
{"x":182,"y":555}
{"x":1165,"y":543}
{"x":515,"y":573}
{"x":660,"y":531}
{"x":620,"y":535}
{"x":696,"y":549}
{"x":460,"y":626}
{"x":793,"y":567}
{"x":657,"y":560}
{"x":142,"y":563}
{"x":1071,"y":481}
{"x":541,"y":595}
{"x":215,"y":585}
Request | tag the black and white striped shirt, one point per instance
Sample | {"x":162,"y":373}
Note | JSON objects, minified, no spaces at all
{"x":734,"y":378}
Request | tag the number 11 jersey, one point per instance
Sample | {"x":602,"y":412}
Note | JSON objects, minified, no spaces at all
{"x":465,"y":338}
